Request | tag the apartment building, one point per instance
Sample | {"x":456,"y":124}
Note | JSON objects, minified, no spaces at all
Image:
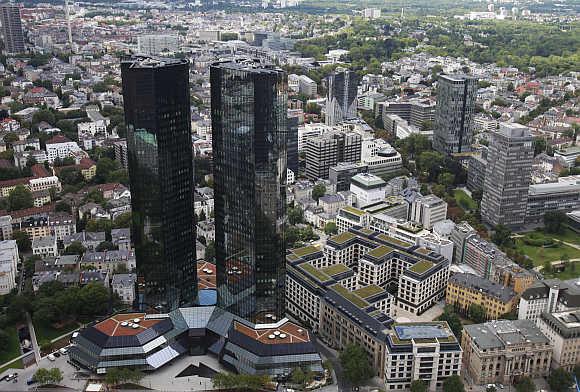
{"x":563,"y":331}
{"x":45,"y":246}
{"x":464,"y":290}
{"x":499,"y":351}
{"x":421,"y":351}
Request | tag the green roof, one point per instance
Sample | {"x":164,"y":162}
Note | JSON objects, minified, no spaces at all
{"x":350,"y":296}
{"x":421,"y":266}
{"x":342,"y":237}
{"x":305,"y":251}
{"x":380,"y":251}
{"x":353,"y":210}
{"x":395,"y":241}
{"x":315,"y":273}
{"x":366,"y":230}
{"x":369,"y":291}
{"x":335,"y":269}
{"x":423,"y":251}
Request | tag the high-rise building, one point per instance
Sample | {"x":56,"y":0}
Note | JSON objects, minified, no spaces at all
{"x":507,"y":177}
{"x":453,"y":131}
{"x":155,"y":44}
{"x":157,"y":114}
{"x":12,"y":28}
{"x":292,"y":147}
{"x":341,"y":96}
{"x":327,"y":150}
{"x":249,"y":123}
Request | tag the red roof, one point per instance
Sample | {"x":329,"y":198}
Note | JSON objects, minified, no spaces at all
{"x":14,"y":182}
{"x":87,"y":163}
{"x":39,"y":171}
{"x":58,"y":139}
{"x":30,"y":211}
{"x":113,"y":325}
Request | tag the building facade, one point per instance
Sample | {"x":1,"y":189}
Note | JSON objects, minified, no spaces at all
{"x":327,"y":150}
{"x":563,"y":331}
{"x":249,"y":123}
{"x":507,"y":177}
{"x":156,"y":99}
{"x":12,"y":28}
{"x":341,"y":96}
{"x":456,"y":96}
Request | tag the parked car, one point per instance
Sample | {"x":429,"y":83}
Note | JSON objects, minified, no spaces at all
{"x":30,"y":381}
{"x":63,"y":351}
{"x":51,"y":357}
{"x":56,"y":354}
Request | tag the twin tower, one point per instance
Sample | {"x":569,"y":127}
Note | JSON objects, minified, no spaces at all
{"x":249,"y":115}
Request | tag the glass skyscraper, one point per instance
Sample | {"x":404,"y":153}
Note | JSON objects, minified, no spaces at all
{"x":249,"y":122}
{"x":157,"y":114}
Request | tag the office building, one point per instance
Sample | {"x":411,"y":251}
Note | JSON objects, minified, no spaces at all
{"x":307,"y":86}
{"x":341,"y":174}
{"x":421,"y":351}
{"x":550,"y":295}
{"x":368,"y":189}
{"x":341,"y":95}
{"x":563,"y":331}
{"x":476,"y":173}
{"x":157,"y":114}
{"x":428,"y":210}
{"x":156,"y":44}
{"x":503,"y":350}
{"x":12,"y":28}
{"x":380,"y":157}
{"x":416,"y":112}
{"x":507,"y":177}
{"x":459,"y":235}
{"x":464,"y":290}
{"x":453,"y":131}
{"x":249,"y":126}
{"x":569,"y":155}
{"x":9,"y":260}
{"x":292,"y":144}
{"x":327,"y":150}
{"x":121,"y":153}
{"x":563,"y":196}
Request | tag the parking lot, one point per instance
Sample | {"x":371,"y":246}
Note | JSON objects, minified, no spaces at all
{"x":72,"y":378}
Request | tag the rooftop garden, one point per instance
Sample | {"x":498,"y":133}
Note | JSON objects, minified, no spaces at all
{"x":315,"y":273}
{"x":335,"y":269}
{"x":305,"y":251}
{"x":421,"y":266}
{"x":369,"y":291}
{"x":350,"y":296}
{"x":342,"y":237}
{"x":380,"y":251}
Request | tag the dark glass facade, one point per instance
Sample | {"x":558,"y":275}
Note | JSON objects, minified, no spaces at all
{"x":292,"y":144}
{"x":249,"y":122}
{"x":157,"y":107}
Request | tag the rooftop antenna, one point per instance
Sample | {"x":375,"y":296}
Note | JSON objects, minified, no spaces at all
{"x":67,"y":14}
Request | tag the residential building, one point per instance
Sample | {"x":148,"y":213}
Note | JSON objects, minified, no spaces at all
{"x":88,"y":239}
{"x":454,"y":112}
{"x":428,"y":210}
{"x":328,"y":150}
{"x":124,"y":286}
{"x":503,"y":350}
{"x":464,"y":290}
{"x":5,"y":227}
{"x":507,"y":177}
{"x":121,"y":238}
{"x":12,"y":28}
{"x":563,"y":331}
{"x":480,"y":255}
{"x":60,"y":147}
{"x":250,"y":187}
{"x":45,"y":246}
{"x":341,"y":96}
{"x":109,"y":261}
{"x":121,"y":153}
{"x":9,"y":259}
{"x":421,"y":351}
{"x":161,"y":174}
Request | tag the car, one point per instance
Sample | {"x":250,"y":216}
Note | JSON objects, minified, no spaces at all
{"x":63,"y":351}
{"x":500,"y":386}
{"x":11,"y":376}
{"x":51,"y":357}
{"x":30,"y":381}
{"x":56,"y":354}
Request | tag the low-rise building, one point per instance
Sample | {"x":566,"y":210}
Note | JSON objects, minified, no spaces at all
{"x":45,"y":246}
{"x":90,"y":240}
{"x":124,"y":286}
{"x":464,"y":290}
{"x":428,"y":210}
{"x":503,"y":350}
{"x":550,"y":295}
{"x":368,"y":189}
{"x":563,"y":331}
{"x":421,"y":351}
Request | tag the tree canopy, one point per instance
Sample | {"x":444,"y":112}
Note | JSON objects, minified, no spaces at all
{"x":355,"y":364}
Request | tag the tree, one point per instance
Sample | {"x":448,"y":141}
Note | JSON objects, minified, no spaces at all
{"x":4,"y":338}
{"x":430,"y":162}
{"x":418,"y":386}
{"x":298,"y":376}
{"x":122,"y":220}
{"x":105,"y":245}
{"x":540,"y":145}
{"x":477,"y":195}
{"x":104,"y":168}
{"x":23,"y":240}
{"x":20,"y":198}
{"x":452,"y":319}
{"x":547,"y":268}
{"x":75,"y":248}
{"x":45,"y":376}
{"x":446,"y":179}
{"x":491,"y":388}
{"x":245,"y":382}
{"x":502,"y":236}
{"x":71,"y":176}
{"x":555,"y":221}
{"x":477,"y":313}
{"x":453,"y":384}
{"x":201,"y":216}
{"x":295,"y":215}
{"x":63,"y":207}
{"x":318,"y":191}
{"x":560,"y":380}
{"x":525,"y":384}
{"x":355,"y":364}
{"x":438,"y":190}
{"x":330,"y":228}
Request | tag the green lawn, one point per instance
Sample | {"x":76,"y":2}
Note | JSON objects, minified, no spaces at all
{"x":14,"y":365}
{"x":539,"y":255}
{"x":568,"y":273}
{"x":48,"y":332}
{"x":463,"y":200}
{"x":567,"y":236}
{"x":12,"y":350}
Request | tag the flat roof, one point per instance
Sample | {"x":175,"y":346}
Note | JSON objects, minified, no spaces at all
{"x":305,"y":251}
{"x":342,"y":237}
{"x":422,"y":331}
{"x":421,"y":266}
{"x":335,"y":269}
{"x":114,"y":325}
{"x":369,"y":291}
